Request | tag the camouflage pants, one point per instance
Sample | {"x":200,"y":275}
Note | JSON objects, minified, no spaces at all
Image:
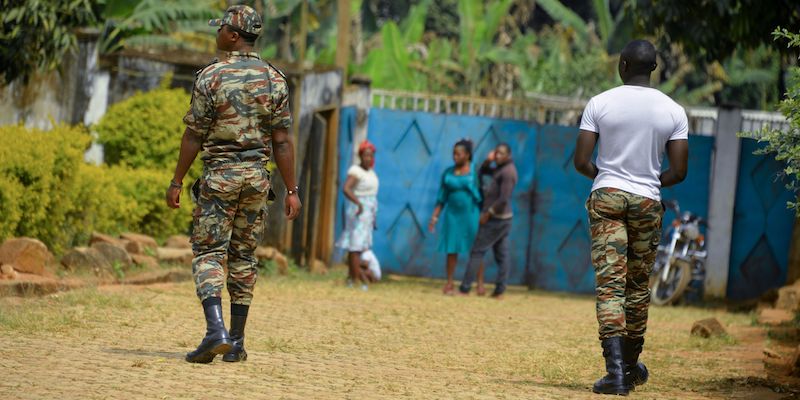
{"x":626,"y":229}
{"x":228,"y":222}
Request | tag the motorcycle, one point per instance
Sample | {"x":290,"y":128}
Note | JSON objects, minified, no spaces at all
{"x":681,"y":260}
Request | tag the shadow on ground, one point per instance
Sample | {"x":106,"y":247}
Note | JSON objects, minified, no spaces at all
{"x":146,"y":353}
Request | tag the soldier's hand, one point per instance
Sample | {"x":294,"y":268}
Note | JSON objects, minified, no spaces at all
{"x":293,"y":206}
{"x":174,"y":197}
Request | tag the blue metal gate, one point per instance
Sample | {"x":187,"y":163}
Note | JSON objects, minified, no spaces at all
{"x":762,"y":226}
{"x":347,"y":126}
{"x":550,"y":236}
{"x":560,"y":251}
{"x":413,"y":149}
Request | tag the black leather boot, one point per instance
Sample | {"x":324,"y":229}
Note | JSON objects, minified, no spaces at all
{"x":217,"y":340}
{"x":635,"y":372}
{"x":614,"y":381}
{"x":238,"y":320}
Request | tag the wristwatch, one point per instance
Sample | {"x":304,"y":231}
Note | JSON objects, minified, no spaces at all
{"x":293,"y":191}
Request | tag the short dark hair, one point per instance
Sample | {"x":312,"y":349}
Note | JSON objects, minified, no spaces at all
{"x":640,"y":56}
{"x":248,"y":37}
{"x":506,"y":145}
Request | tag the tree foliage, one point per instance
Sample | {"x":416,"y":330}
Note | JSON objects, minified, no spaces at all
{"x":144,"y":130}
{"x":163,"y":24}
{"x":712,"y":30}
{"x":786,"y":144}
{"x":37,"y":35}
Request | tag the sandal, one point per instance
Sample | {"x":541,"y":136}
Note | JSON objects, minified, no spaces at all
{"x":481,"y":290}
{"x":449,"y":289}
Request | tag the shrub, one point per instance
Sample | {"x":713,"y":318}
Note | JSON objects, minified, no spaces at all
{"x":150,"y":214}
{"x":41,"y":167}
{"x":144,"y":131}
{"x":10,"y":213}
{"x":48,"y":192}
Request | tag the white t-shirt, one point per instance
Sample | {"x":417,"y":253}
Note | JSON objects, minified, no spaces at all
{"x":367,"y":184}
{"x":372,"y":262}
{"x":634,"y":124}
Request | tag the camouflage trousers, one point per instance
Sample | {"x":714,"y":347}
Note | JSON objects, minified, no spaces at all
{"x":228,"y":223}
{"x":626,"y":229}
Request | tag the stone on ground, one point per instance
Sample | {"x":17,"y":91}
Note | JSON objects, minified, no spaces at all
{"x":708,"y":328}
{"x":178,"y":242}
{"x":788,"y":298}
{"x":138,"y":243}
{"x":7,"y":272}
{"x":145,"y":261}
{"x":98,"y":237}
{"x":175,"y":256}
{"x":114,"y":254}
{"x":265,"y":253}
{"x":318,"y":267}
{"x":774,"y":316}
{"x":282,"y":262}
{"x":86,"y":259}
{"x":26,"y":255}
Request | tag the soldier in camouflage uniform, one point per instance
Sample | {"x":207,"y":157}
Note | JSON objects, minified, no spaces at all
{"x":632,"y":124}
{"x":240,"y":106}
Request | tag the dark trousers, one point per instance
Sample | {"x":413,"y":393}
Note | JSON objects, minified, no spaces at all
{"x":493,"y":234}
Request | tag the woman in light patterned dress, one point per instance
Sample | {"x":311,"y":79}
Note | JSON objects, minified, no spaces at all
{"x":361,"y":189}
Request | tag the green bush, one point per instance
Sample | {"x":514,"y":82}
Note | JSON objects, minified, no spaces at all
{"x":43,"y":165}
{"x":48,"y":192}
{"x":10,"y":212}
{"x":150,"y":214}
{"x":145,"y":130}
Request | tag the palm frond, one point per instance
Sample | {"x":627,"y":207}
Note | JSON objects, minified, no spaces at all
{"x":565,"y":16}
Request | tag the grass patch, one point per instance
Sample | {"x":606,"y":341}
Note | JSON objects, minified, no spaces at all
{"x":60,"y":312}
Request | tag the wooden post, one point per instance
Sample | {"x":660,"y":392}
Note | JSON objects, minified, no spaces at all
{"x":343,"y":37}
{"x":329,"y":188}
{"x":301,"y":44}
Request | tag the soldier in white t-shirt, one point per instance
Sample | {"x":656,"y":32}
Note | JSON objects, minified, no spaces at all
{"x":632,"y":125}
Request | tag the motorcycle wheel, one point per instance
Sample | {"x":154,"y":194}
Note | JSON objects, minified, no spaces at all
{"x":669,"y":291}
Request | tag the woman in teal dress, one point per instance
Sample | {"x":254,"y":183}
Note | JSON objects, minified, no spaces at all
{"x":460,"y":198}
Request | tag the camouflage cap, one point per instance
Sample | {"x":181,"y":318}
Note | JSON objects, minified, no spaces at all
{"x":241,"y":17}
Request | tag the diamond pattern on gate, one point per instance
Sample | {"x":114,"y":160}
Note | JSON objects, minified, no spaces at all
{"x":412,"y":151}
{"x":405,"y":236}
{"x":485,"y":144}
{"x":768,"y":187}
{"x":760,"y":269}
{"x":568,"y":163}
{"x":574,"y":253}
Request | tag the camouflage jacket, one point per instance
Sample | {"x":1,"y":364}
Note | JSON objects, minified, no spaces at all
{"x":236,"y":103}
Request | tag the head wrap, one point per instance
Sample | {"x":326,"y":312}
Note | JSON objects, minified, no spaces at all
{"x":367,"y":145}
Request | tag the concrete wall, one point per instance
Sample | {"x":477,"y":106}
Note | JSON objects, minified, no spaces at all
{"x":58,"y":96}
{"x":359,"y":95}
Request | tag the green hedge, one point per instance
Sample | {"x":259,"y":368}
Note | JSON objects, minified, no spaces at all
{"x":48,"y":192}
{"x":144,"y":131}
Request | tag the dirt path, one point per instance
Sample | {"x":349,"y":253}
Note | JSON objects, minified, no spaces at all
{"x":314,"y":339}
